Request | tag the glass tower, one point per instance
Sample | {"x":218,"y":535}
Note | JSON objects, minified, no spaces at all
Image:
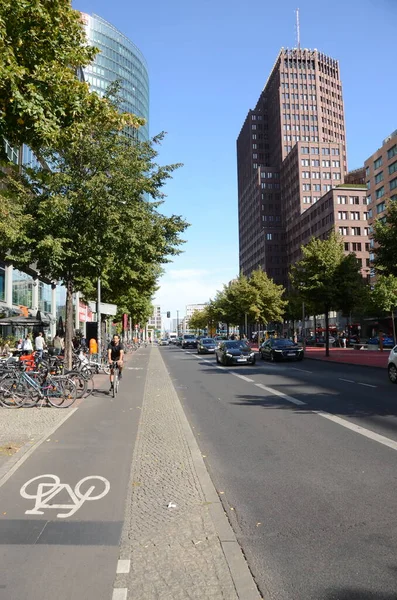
{"x":119,"y":59}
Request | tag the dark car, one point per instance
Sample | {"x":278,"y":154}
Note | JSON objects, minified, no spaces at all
{"x":206,"y":346}
{"x":189,"y":341}
{"x":279,"y":349}
{"x":233,"y":352}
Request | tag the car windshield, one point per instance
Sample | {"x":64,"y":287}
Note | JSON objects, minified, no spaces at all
{"x":207,"y":342}
{"x":237,"y":344}
{"x":188,"y":337}
{"x":282,"y":343}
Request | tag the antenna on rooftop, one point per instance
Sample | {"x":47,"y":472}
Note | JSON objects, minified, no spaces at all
{"x":298,"y":30}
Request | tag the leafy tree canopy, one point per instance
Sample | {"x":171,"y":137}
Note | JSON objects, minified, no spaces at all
{"x":385,"y":237}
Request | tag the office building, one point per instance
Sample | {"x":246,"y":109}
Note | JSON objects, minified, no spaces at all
{"x":119,"y":59}
{"x":290,"y":152}
{"x":155,"y":321}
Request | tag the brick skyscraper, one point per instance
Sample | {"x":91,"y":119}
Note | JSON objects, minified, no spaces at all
{"x":290,"y":152}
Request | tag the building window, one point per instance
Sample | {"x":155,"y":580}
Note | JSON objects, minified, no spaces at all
{"x":370,"y":213}
{"x":306,"y":187}
{"x":392,"y":152}
{"x":354,"y":200}
{"x":44,"y":297}
{"x":22,"y":288}
{"x":315,"y":163}
{"x":315,"y":150}
{"x":317,"y":187}
{"x":367,"y":172}
{"x":325,"y":163}
{"x":342,"y":200}
{"x":307,"y":199}
{"x":315,"y":175}
{"x":355,"y":230}
{"x":269,"y":236}
{"x":336,"y":163}
{"x":393,"y":168}
{"x":378,"y":163}
{"x":379,"y":177}
{"x":393,"y":184}
{"x":356,"y":246}
{"x":325,"y":151}
{"x":253,"y":127}
{"x":342,"y":215}
{"x":381,"y":191}
{"x":336,"y":176}
{"x":380,"y":207}
{"x":367,"y":200}
{"x":305,"y":150}
{"x":367,"y":230}
{"x":326,"y":175}
{"x":355,"y":216}
{"x":305,"y":162}
{"x":365,"y":216}
{"x":343,"y":230}
{"x":347,"y":246}
{"x":305,"y":174}
{"x":368,"y":185}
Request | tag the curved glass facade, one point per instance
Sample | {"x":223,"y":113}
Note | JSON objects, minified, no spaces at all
{"x":120,"y":60}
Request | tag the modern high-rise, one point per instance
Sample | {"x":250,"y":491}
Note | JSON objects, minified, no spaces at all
{"x":119,"y":59}
{"x":290,"y":152}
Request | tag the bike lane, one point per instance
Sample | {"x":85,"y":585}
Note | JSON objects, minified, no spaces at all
{"x":62,"y":510}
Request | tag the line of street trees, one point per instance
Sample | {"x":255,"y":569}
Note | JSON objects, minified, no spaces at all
{"x":96,"y":211}
{"x":325,"y":279}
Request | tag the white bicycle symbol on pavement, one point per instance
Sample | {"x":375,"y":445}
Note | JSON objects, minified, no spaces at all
{"x":48,"y":490}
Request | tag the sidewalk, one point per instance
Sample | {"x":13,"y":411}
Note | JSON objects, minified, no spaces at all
{"x":366,"y":358}
{"x":176,"y":534}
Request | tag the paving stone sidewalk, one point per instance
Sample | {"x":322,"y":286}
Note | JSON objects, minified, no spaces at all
{"x":175,"y":553}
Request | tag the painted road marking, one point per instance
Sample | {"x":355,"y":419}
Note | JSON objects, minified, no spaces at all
{"x":123,"y":566}
{"x":281,"y":394}
{"x":361,"y":430}
{"x":48,"y":490}
{"x":347,"y":380}
{"x":241,"y":376}
{"x":302,"y":370}
{"x":120,"y":594}
{"x":368,"y":385}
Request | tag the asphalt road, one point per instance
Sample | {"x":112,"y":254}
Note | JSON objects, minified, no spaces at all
{"x":45,"y":556}
{"x":304,"y":456}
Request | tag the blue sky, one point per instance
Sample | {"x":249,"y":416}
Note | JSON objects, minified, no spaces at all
{"x":208,"y":62}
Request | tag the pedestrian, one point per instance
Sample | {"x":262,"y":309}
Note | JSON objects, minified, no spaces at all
{"x":57,"y":343}
{"x":39,"y":345}
{"x":19,"y":344}
{"x":27,"y":345}
{"x":343,"y":338}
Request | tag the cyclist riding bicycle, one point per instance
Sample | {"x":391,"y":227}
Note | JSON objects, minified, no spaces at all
{"x":115,"y":354}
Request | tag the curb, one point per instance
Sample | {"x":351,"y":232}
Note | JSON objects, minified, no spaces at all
{"x":241,"y":575}
{"x":343,"y":362}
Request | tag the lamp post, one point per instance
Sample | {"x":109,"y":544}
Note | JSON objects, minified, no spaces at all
{"x":303,"y":326}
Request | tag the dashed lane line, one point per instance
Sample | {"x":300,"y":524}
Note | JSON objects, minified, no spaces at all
{"x":301,"y":370}
{"x":120,"y":594}
{"x":281,"y":394}
{"x":367,"y":385}
{"x":123,"y":566}
{"x":241,"y":376}
{"x":347,"y":380}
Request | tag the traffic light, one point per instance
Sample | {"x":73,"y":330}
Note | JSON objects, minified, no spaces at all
{"x":168,"y":314}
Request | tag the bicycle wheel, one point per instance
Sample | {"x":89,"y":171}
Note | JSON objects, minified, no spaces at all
{"x":117,"y":381}
{"x":12,"y":395}
{"x":61,"y":393}
{"x":80,"y":382}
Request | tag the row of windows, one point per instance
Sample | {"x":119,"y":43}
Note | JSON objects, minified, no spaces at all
{"x":300,"y":138}
{"x":352,"y":200}
{"x":344,"y":215}
{"x":316,"y":187}
{"x":311,"y":199}
{"x":301,"y":86}
{"x":289,"y":127}
{"x":356,"y":247}
{"x":305,"y":162}
{"x":286,"y":75}
{"x":324,"y":151}
{"x":312,"y":107}
{"x":322,"y":175}
{"x":354,"y":230}
{"x":287,"y":106}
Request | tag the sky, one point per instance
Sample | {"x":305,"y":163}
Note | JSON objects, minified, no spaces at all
{"x":208,"y":62}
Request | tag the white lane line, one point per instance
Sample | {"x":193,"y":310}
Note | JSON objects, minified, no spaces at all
{"x":241,"y":376}
{"x":302,"y":370}
{"x":120,"y":594}
{"x":368,"y":385}
{"x":281,"y":394}
{"x":381,"y":439}
{"x":123,"y":566}
{"x":347,"y":380}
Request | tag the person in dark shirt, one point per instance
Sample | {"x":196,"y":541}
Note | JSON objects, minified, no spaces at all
{"x":115,"y":354}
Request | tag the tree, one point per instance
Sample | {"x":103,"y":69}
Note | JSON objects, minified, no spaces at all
{"x":89,"y":217}
{"x":384,"y":296}
{"x":267,"y":304}
{"x":42,"y":45}
{"x":385,"y":237}
{"x":198,"y":320}
{"x":325,"y":275}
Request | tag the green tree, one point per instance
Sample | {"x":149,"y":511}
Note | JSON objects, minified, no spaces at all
{"x":267,"y":303}
{"x":385,"y":237}
{"x":199,"y":320}
{"x":324,"y":275}
{"x":384,"y":296}
{"x":42,"y":45}
{"x":89,"y":216}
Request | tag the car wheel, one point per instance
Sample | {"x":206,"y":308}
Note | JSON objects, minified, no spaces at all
{"x":272,"y":358}
{"x":392,"y":370}
{"x":253,"y":361}
{"x":300,"y":357}
{"x":217,"y":359}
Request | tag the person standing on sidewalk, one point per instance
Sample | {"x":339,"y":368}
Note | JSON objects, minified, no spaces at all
{"x":343,"y":338}
{"x":27,"y":345}
{"x":115,"y":354}
{"x":39,"y":345}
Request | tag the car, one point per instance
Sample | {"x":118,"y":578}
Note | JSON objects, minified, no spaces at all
{"x":392,"y":365}
{"x":281,"y":349}
{"x":164,"y":342}
{"x":189,"y":341}
{"x":388,"y":342}
{"x":178,"y":341}
{"x":206,"y":346}
{"x":234,"y":352}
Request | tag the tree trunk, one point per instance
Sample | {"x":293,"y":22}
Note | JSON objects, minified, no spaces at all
{"x":227,"y":329}
{"x":69,"y":325}
{"x":326,"y":332}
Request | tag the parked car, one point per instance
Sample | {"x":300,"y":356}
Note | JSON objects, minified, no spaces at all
{"x":281,"y":349}
{"x":234,"y":352}
{"x":388,"y":342}
{"x":392,"y":365}
{"x":164,"y":342}
{"x":188,"y":341}
{"x":206,"y":346}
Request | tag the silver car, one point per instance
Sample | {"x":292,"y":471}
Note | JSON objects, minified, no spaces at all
{"x":392,"y":366}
